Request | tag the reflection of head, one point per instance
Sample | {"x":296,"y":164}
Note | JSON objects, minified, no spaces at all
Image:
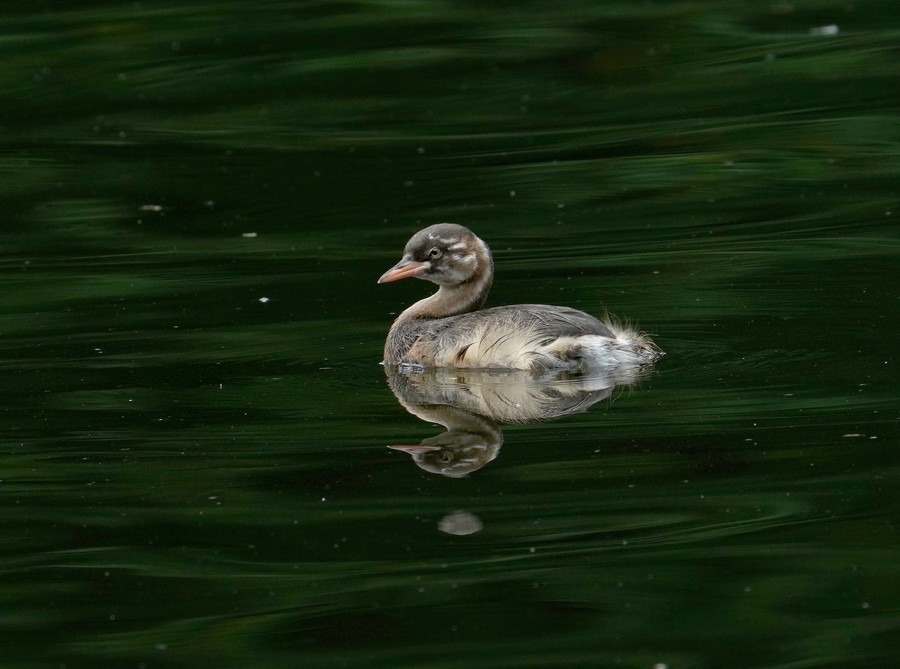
{"x":469,"y":444}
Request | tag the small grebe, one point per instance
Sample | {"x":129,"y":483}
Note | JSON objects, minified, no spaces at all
{"x":450,"y":328}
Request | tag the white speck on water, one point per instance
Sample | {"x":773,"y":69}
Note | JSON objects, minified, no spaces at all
{"x":264,"y":299}
{"x":248,"y":235}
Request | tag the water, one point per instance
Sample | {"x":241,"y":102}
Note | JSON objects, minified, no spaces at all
{"x":197,"y":203}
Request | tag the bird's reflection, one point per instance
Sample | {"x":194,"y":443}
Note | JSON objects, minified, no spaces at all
{"x":471,"y":404}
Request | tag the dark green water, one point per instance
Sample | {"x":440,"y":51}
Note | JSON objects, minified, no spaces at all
{"x":197,"y":201}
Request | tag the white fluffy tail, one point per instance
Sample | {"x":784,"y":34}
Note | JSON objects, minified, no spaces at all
{"x":626,"y":346}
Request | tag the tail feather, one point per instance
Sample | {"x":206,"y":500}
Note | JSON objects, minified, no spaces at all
{"x":634,"y":341}
{"x":625,"y":346}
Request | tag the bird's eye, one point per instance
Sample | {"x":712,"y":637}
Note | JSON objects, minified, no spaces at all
{"x":435,"y":253}
{"x":446,"y":457}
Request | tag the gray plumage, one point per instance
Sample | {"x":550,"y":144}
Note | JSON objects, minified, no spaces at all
{"x":450,"y":329}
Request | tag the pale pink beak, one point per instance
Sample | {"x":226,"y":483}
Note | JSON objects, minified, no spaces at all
{"x":403,"y":269}
{"x":415,"y":448}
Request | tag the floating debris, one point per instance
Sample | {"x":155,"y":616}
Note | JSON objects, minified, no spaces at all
{"x":460,"y":523}
{"x":825,"y":31}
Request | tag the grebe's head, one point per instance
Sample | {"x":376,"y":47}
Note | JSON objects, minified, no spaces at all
{"x":446,"y":254}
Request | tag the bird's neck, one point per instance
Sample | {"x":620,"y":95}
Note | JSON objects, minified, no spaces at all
{"x":454,"y":300}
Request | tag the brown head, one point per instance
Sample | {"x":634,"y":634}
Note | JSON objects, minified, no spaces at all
{"x":446,"y":254}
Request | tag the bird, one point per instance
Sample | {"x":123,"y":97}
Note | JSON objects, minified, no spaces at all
{"x":452,"y":329}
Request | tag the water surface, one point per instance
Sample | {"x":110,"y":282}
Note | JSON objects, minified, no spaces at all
{"x":197,"y":203}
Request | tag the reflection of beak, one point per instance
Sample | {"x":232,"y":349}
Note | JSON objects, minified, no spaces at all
{"x":415,"y":448}
{"x":403,"y":269}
